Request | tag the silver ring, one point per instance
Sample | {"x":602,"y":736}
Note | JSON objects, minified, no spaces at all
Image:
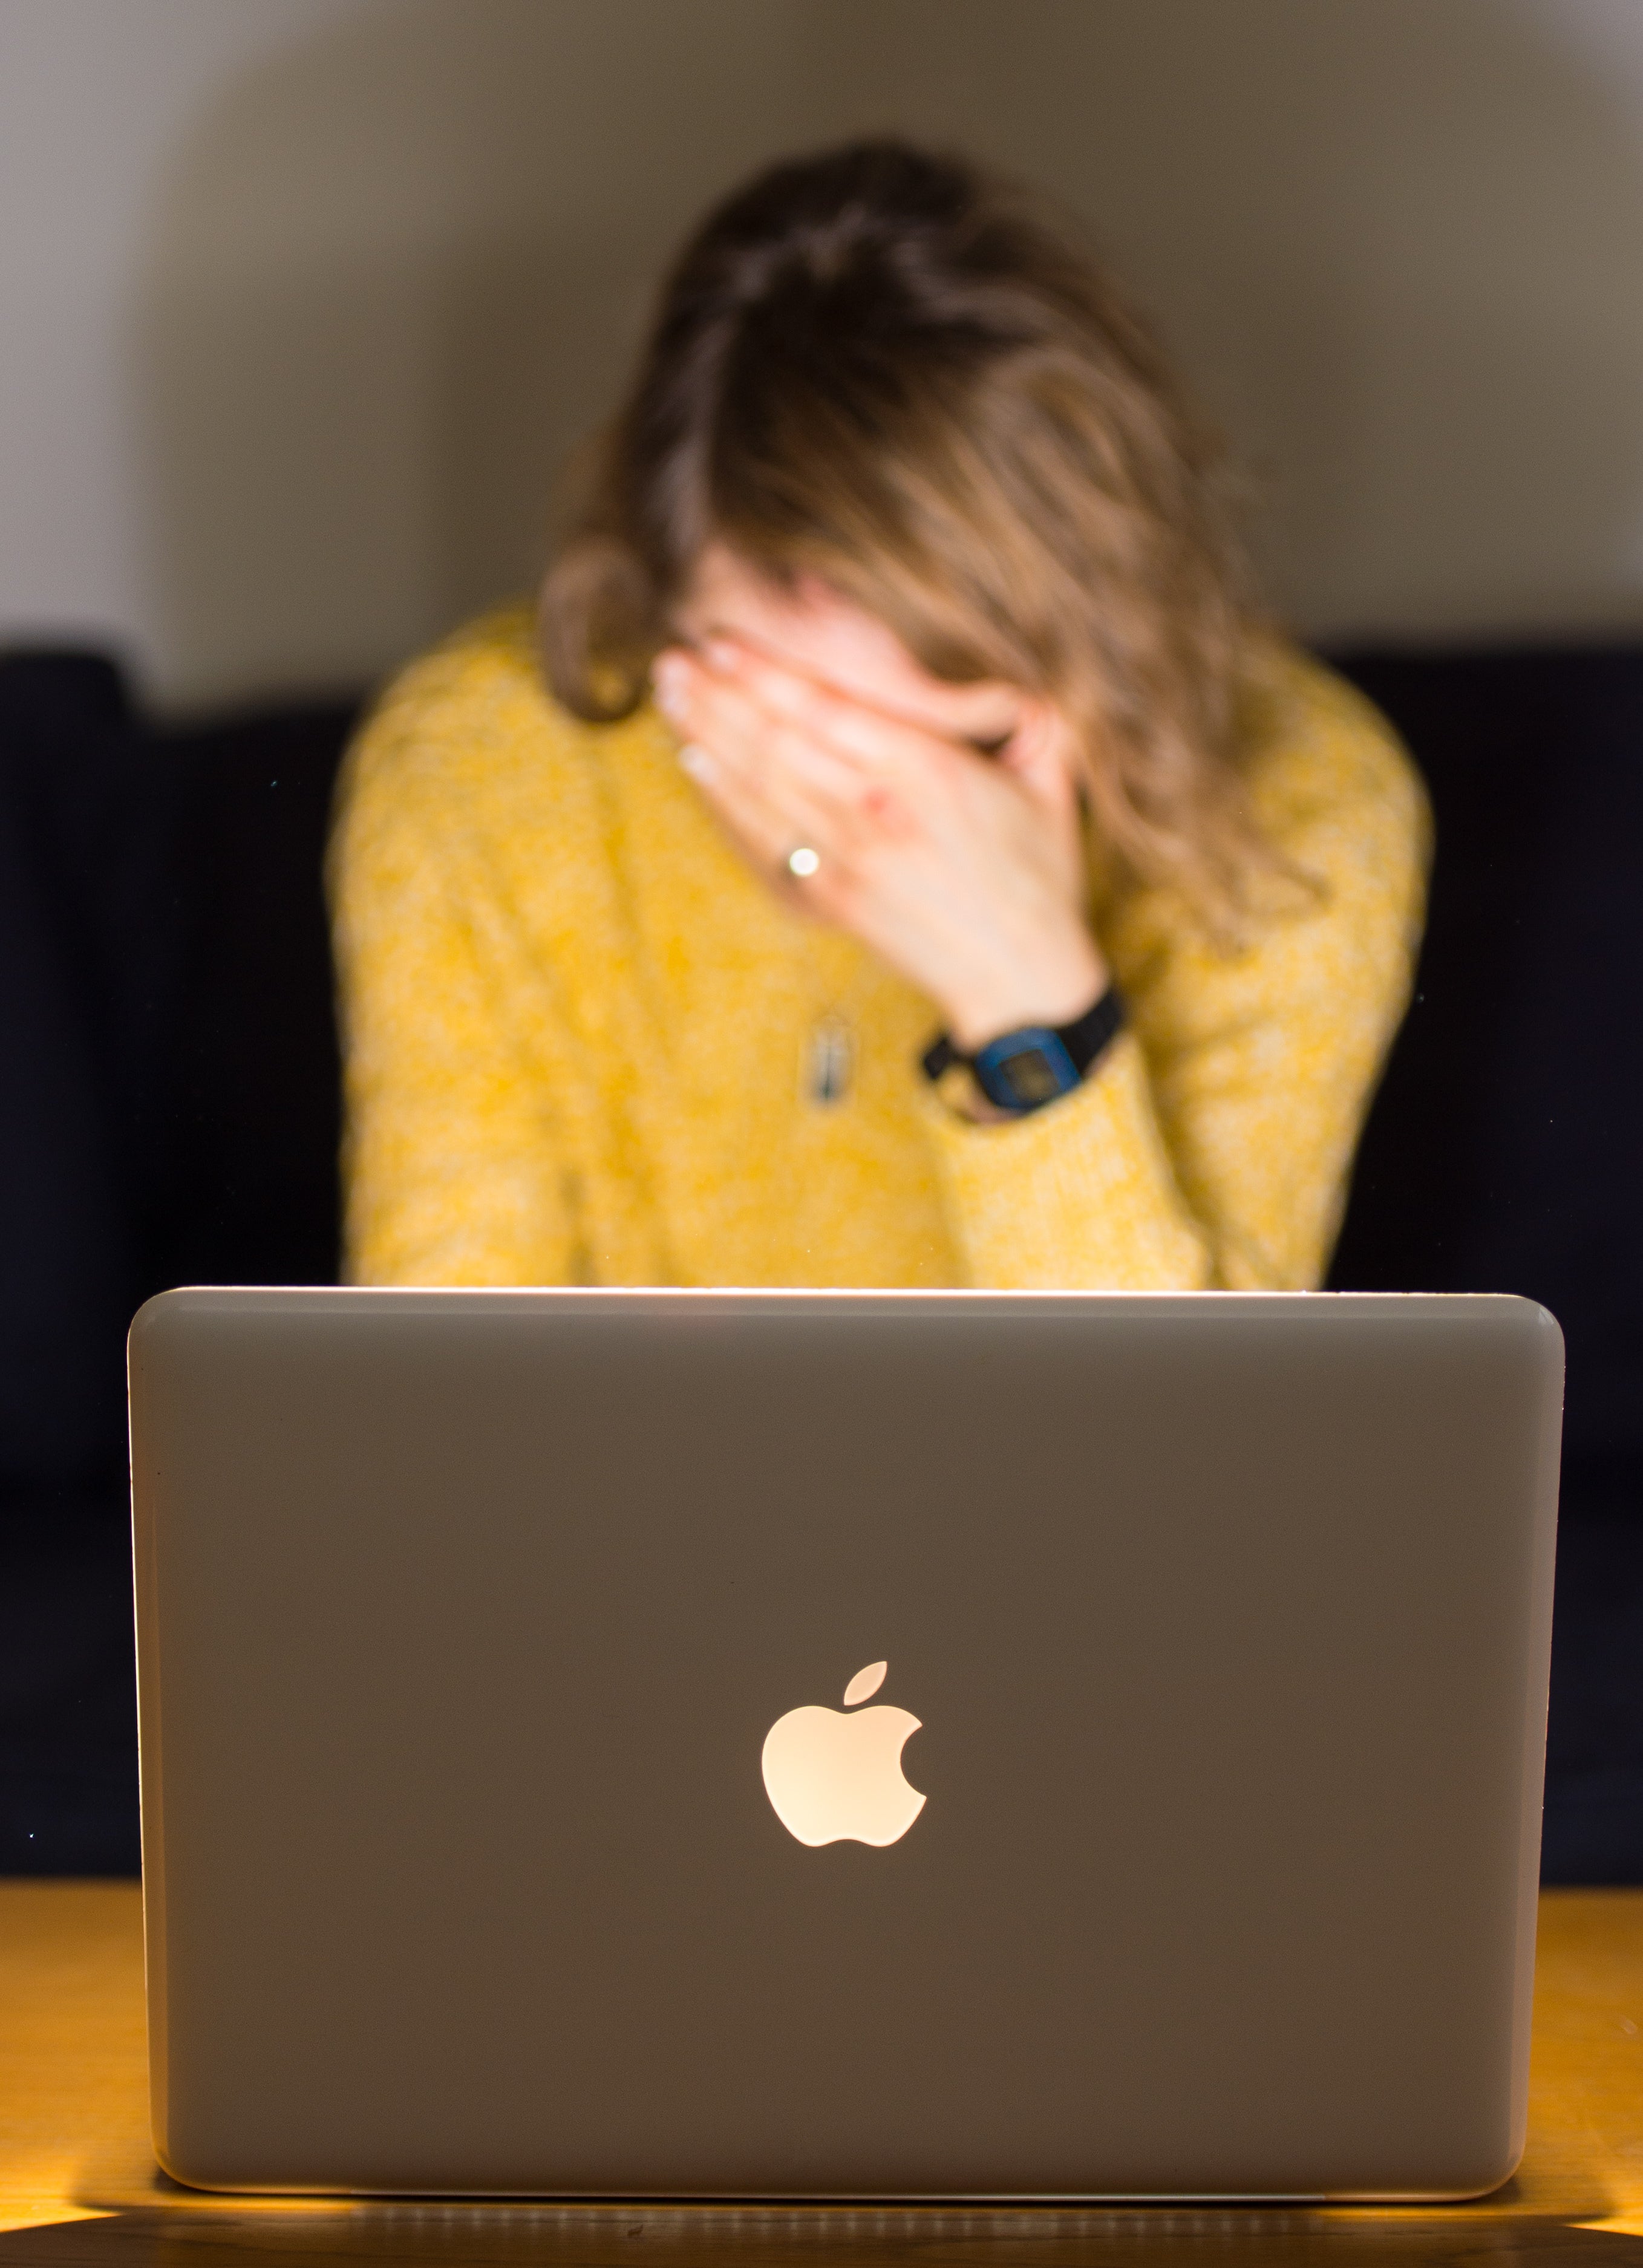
{"x":802,"y":861}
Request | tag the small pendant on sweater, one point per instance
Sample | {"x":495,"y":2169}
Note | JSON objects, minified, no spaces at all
{"x":830,"y":1060}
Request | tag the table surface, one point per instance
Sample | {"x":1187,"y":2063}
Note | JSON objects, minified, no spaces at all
{"x":80,"y":2189}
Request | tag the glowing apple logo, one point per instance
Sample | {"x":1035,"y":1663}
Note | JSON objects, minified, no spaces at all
{"x":830,"y":1777}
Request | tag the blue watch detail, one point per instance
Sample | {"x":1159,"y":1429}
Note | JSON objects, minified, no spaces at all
{"x":1023,"y":1070}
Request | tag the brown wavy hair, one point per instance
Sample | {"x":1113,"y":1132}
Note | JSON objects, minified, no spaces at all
{"x":888,"y":370}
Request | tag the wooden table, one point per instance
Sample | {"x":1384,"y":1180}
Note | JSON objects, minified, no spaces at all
{"x":78,"y":2188}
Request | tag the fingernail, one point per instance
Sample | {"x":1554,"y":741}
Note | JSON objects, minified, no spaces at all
{"x":696,"y":761}
{"x":668,"y":677}
{"x":719,"y":654}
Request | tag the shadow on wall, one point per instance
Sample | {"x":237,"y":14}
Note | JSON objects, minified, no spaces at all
{"x":400,"y":269}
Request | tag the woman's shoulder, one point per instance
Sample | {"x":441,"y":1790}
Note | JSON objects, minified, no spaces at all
{"x":466,"y":754}
{"x":473,"y":705}
{"x":1325,"y":770}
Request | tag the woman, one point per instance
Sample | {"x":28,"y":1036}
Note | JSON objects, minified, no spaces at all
{"x":985,"y":897}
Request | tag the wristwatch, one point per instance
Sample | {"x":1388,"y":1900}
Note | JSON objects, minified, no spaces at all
{"x":1022,"y":1070}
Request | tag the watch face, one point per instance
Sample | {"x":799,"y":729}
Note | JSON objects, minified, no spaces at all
{"x":1031,"y":1077}
{"x":1021,"y":1073}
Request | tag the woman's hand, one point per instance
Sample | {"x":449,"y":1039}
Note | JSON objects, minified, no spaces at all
{"x":962,"y":871}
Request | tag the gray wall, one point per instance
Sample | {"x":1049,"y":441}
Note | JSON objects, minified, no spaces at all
{"x":302,"y":301}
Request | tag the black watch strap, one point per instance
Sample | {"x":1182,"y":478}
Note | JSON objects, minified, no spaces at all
{"x":1022,"y":1070}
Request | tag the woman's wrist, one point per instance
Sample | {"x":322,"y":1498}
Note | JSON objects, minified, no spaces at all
{"x":1023,"y":1070}
{"x":1057,"y":993}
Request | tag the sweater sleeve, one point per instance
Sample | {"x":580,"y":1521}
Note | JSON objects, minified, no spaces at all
{"x":1210,"y":1146}
{"x":452,"y":1168}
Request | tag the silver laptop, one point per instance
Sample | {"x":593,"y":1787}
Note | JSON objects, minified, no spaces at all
{"x":852,"y":1744}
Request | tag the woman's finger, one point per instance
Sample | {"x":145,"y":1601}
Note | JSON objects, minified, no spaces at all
{"x":767,"y":804}
{"x":762,"y":831}
{"x":769,"y":761}
{"x":797,"y":855}
{"x":759,"y":777}
{"x":864,"y":741}
{"x":727,"y":713}
{"x":1042,"y":757}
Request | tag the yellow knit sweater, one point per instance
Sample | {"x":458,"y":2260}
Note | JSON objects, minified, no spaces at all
{"x":581,"y":1035}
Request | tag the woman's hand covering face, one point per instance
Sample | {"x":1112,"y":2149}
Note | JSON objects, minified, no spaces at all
{"x":963,"y":871}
